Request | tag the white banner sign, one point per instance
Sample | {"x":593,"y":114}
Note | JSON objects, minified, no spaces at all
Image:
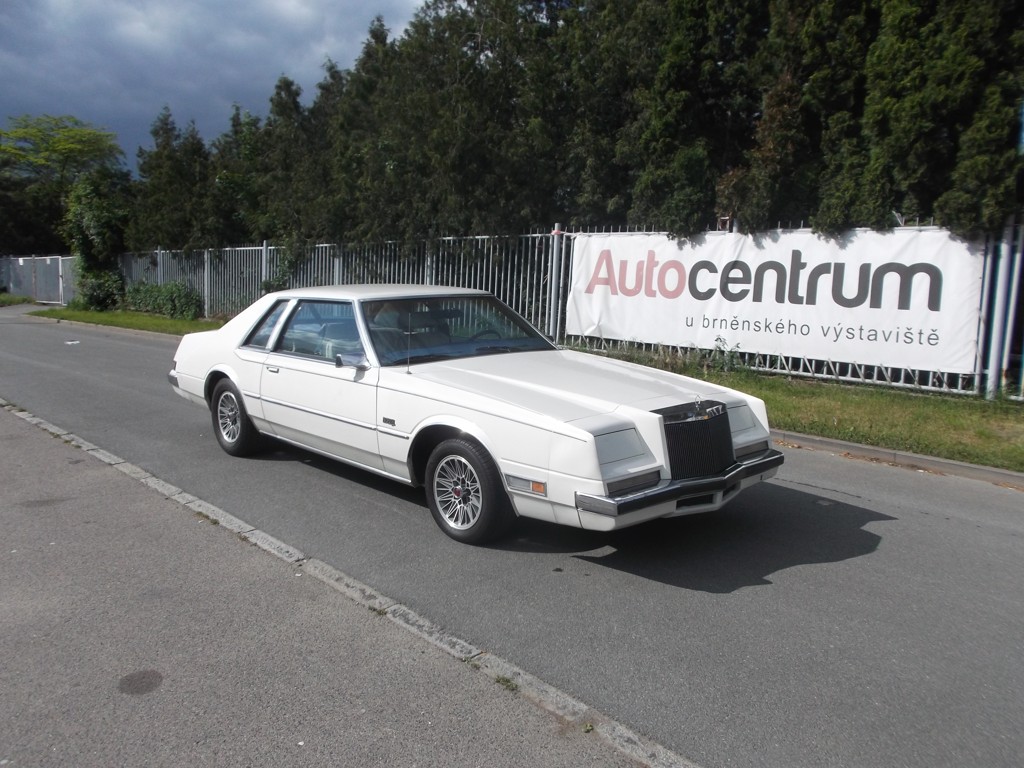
{"x":905,"y":299}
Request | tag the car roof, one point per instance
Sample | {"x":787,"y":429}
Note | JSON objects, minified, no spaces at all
{"x":364,"y":292}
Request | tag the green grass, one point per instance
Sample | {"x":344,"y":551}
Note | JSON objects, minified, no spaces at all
{"x":953,"y":427}
{"x":964,"y":428}
{"x":8,"y":300}
{"x":139,"y":321}
{"x":507,"y":683}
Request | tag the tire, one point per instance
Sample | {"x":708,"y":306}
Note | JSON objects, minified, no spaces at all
{"x":231,"y":424}
{"x":465,"y":493}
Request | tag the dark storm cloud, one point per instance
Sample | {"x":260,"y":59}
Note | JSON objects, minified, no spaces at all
{"x":117,"y":63}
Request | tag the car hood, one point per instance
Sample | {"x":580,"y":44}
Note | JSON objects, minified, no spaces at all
{"x":567,"y":385}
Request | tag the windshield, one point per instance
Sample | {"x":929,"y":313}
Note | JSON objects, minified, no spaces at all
{"x":446,"y":327}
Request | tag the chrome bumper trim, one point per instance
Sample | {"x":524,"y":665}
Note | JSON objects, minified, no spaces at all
{"x":674,"y":490}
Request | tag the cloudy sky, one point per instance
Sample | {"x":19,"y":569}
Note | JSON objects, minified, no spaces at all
{"x":117,"y":63}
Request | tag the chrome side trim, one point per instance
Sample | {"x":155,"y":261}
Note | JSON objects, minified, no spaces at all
{"x":313,"y":412}
{"x":343,"y":460}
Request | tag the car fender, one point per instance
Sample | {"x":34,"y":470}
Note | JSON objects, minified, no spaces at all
{"x":462,"y":425}
{"x":534,"y":460}
{"x":249,"y":390}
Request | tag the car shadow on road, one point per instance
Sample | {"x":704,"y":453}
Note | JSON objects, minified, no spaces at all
{"x":768,"y":529}
{"x":276,"y":451}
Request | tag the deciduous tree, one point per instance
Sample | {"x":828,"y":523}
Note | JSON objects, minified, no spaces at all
{"x":41,"y":157}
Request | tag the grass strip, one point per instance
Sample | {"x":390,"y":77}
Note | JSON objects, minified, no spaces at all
{"x":9,"y":300}
{"x":138,"y":321}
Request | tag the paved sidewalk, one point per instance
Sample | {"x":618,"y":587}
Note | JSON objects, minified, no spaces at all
{"x":135,"y":632}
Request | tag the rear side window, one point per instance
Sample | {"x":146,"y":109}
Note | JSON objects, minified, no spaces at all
{"x":260,"y":335}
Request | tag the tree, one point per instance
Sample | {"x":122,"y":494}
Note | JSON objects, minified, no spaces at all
{"x":467,"y":120}
{"x":98,"y":209}
{"x":96,"y":215}
{"x":836,"y":39}
{"x":40,"y":159}
{"x":294,"y":171}
{"x":21,"y":232}
{"x":943,"y":80}
{"x":499,"y":115}
{"x":232,"y":204}
{"x":987,"y":178}
{"x":359,"y":149}
{"x":612,"y":52}
{"x":698,"y":114}
{"x":172,"y":200}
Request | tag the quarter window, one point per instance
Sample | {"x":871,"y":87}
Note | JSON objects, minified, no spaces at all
{"x":261,"y":334}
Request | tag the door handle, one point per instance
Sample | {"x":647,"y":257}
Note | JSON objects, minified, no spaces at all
{"x":273,"y":369}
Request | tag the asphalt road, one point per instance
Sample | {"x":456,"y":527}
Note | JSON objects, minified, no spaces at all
{"x":848,"y":613}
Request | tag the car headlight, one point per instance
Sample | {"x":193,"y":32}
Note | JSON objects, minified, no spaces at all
{"x":618,"y":446}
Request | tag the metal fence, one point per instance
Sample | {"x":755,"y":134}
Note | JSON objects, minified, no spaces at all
{"x":515,"y":268}
{"x":530,"y":273}
{"x":46,"y":279}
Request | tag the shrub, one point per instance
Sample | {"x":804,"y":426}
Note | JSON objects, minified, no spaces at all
{"x":100,"y":290}
{"x":175,"y":300}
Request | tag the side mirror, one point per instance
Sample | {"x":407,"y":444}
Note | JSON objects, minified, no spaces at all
{"x":359,"y":362}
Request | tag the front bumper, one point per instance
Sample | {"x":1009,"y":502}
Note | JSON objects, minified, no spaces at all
{"x":689,"y":492}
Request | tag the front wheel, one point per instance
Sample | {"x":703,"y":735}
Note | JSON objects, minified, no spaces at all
{"x":465,"y":493}
{"x":235,"y":432}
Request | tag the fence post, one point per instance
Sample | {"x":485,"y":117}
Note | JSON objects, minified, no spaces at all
{"x":555,"y":283}
{"x":1015,"y":307}
{"x":206,"y":283}
{"x":265,"y":265}
{"x":997,"y":329}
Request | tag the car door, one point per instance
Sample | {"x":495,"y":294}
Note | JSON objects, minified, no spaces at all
{"x":249,"y":357}
{"x":308,"y":398}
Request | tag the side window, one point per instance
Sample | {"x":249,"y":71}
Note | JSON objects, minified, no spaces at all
{"x":321,"y":329}
{"x":261,"y":334}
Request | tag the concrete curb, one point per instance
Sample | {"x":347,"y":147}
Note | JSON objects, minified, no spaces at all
{"x":561,"y":705}
{"x":1001,"y":477}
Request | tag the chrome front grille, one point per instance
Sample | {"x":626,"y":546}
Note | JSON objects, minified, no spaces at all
{"x":698,"y":438}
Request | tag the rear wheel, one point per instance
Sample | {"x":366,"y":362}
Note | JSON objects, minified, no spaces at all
{"x":235,"y":432}
{"x":465,"y":493}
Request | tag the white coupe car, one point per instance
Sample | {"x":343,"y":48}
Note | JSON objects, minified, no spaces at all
{"x":450,"y":389}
